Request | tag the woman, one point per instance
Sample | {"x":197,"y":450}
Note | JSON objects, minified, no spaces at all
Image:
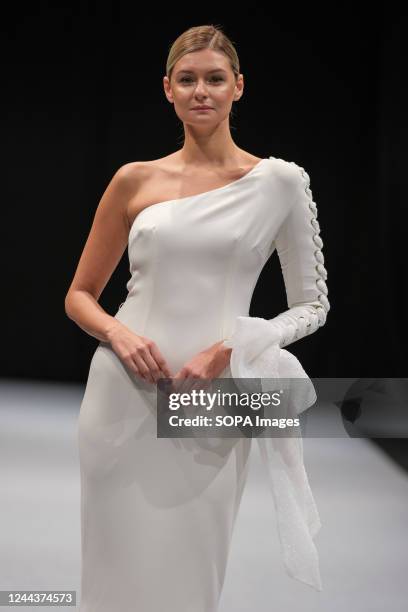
{"x":157,"y":514}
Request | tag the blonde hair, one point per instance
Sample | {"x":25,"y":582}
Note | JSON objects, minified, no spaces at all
{"x":202,"y":37}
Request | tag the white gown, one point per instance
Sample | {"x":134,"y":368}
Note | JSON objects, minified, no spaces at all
{"x":157,"y":514}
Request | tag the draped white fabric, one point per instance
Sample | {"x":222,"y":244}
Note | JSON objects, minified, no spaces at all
{"x":256,"y":354}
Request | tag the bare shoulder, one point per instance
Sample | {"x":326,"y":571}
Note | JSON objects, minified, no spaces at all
{"x":145,"y":169}
{"x":143,"y":183}
{"x":131,"y":180}
{"x":131,"y":173}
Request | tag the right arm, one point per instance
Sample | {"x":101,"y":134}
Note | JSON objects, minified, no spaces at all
{"x":102,"y":252}
{"x":105,"y":245}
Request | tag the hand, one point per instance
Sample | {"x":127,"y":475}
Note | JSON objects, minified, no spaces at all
{"x":206,"y":365}
{"x":139,"y":353}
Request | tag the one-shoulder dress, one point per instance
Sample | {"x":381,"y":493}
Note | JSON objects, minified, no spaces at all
{"x":157,"y":514}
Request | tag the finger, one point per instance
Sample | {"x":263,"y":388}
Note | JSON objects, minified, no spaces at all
{"x":161,"y":362}
{"x":179,"y":382}
{"x":154,"y":368}
{"x":143,"y":370}
{"x":132,"y":366}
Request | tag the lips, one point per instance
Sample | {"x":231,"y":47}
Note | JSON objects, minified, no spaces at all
{"x":202,"y":108}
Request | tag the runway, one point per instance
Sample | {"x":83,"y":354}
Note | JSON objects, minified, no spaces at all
{"x":361,"y":495}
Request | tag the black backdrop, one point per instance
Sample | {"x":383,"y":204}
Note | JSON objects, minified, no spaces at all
{"x":82,"y":95}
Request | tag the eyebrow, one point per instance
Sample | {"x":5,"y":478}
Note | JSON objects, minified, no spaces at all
{"x":192,"y":71}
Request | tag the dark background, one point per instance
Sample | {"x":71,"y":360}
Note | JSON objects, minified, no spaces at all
{"x":82,"y":94}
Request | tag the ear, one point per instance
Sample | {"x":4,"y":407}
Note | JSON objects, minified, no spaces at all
{"x":239,"y":87}
{"x":167,"y":89}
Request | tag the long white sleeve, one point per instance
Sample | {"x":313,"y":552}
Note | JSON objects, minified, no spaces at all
{"x":299,"y":247}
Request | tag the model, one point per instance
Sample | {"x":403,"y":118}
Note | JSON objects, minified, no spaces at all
{"x":157,"y":514}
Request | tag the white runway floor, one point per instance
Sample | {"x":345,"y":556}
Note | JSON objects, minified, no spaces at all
{"x":361,"y":495}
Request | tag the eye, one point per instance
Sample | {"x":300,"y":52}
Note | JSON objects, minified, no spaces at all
{"x":189,"y":79}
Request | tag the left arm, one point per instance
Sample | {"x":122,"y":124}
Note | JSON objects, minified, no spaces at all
{"x":299,"y":247}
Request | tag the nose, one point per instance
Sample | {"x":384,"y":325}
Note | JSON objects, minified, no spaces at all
{"x":201,"y":88}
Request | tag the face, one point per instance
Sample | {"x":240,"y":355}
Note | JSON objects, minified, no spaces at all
{"x":203,"y":78}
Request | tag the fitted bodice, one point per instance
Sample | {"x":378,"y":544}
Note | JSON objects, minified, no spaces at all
{"x":194,"y":261}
